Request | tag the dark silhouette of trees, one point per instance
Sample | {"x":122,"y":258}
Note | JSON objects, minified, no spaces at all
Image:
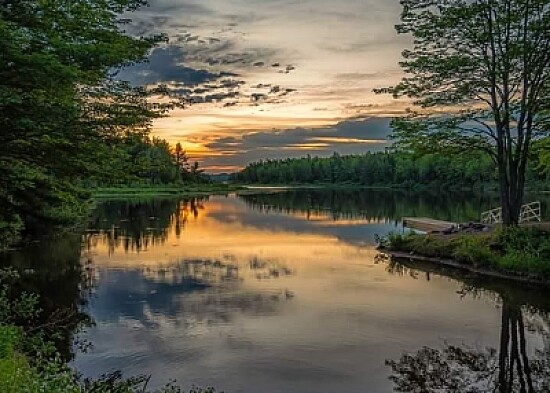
{"x":62,"y":112}
{"x":480,"y":70}
{"x":458,"y":369}
{"x":142,"y":160}
{"x":381,"y":169}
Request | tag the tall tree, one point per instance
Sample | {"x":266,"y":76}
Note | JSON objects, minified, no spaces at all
{"x":480,"y":72}
{"x":61,"y":109}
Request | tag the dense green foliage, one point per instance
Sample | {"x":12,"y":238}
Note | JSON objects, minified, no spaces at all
{"x":144,"y":161}
{"x":65,"y":120}
{"x":381,"y":169}
{"x":523,"y":251}
{"x":480,"y":72}
{"x":54,"y":70}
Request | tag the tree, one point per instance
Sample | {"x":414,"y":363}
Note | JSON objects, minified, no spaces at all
{"x":543,"y":155}
{"x":181,"y":159}
{"x":62,"y":111}
{"x":480,"y":72}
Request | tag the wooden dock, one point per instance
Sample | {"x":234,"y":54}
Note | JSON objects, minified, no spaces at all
{"x":427,"y":224}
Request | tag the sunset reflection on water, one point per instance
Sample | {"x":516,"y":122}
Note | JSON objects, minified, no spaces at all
{"x":233,"y":293}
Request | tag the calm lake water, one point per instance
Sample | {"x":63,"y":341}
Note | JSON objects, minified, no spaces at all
{"x":285,"y":292}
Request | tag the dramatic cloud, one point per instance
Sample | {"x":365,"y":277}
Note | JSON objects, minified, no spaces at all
{"x":269,"y":65}
{"x":348,"y":137}
{"x":166,"y":66}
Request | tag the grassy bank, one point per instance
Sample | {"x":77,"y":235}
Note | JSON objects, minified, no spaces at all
{"x":521,"y":253}
{"x":163,"y":191}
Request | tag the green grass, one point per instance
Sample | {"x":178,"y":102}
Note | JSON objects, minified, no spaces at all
{"x":330,"y":186}
{"x":17,"y":375}
{"x":514,"y":251}
{"x":162,"y":191}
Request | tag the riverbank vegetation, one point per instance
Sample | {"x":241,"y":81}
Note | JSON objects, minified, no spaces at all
{"x":394,"y":169}
{"x":182,"y":190}
{"x":68,"y":124}
{"x":515,"y":252}
{"x":140,"y":161}
{"x":479,"y":74}
{"x":29,"y":359}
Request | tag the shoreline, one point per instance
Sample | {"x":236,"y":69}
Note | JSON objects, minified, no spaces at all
{"x":444,"y":262}
{"x":105,"y":193}
{"x":516,"y":253}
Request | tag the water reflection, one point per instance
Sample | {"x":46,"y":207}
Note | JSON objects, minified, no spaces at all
{"x":54,"y":271}
{"x":137,"y":225}
{"x":372,"y":205}
{"x":186,"y":292}
{"x":388,"y":206}
{"x":510,"y":368}
{"x":281,"y":293}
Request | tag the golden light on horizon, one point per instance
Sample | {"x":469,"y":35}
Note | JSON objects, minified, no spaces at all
{"x":255,"y":77}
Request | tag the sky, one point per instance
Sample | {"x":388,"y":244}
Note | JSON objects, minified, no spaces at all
{"x":273,"y":78}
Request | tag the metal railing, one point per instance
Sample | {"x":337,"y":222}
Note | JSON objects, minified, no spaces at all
{"x":529,"y":212}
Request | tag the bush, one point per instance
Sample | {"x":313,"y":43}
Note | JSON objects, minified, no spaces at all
{"x":29,"y":363}
{"x":519,"y":250}
{"x":524,"y":250}
{"x":473,"y":250}
{"x":395,"y":241}
{"x":428,"y":245}
{"x":10,"y":231}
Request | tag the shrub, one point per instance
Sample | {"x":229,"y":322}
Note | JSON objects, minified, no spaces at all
{"x":473,"y":250}
{"x":520,"y":250}
{"x":29,"y":364}
{"x":396,"y":241}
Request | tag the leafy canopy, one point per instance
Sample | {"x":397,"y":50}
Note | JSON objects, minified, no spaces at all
{"x":479,"y":74}
{"x":62,"y":112}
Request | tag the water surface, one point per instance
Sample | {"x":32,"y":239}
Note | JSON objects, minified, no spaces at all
{"x":284,"y":292}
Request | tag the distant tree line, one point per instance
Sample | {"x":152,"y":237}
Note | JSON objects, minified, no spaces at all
{"x":387,"y":169}
{"x":138,"y":160}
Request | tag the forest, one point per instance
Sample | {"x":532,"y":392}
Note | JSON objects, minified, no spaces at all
{"x":390,"y":169}
{"x":68,"y":123}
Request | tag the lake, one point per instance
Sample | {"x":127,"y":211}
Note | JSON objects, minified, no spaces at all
{"x":283,"y":292}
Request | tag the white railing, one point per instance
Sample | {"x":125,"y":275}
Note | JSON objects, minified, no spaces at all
{"x":529,"y":212}
{"x":492,"y":216}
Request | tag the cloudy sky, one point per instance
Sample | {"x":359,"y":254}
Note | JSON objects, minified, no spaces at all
{"x":273,"y":78}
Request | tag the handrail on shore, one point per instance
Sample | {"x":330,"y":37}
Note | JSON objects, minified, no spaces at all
{"x":528,"y":213}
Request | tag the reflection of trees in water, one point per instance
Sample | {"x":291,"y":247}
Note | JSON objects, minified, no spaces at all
{"x":52,"y":269}
{"x":506,"y":370}
{"x":372,"y":205}
{"x":266,"y":269}
{"x":138,"y":225}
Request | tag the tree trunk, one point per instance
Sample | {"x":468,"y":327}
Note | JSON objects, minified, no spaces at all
{"x":511,"y":187}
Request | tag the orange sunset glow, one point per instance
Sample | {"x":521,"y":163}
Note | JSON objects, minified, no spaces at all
{"x":301,"y":75}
